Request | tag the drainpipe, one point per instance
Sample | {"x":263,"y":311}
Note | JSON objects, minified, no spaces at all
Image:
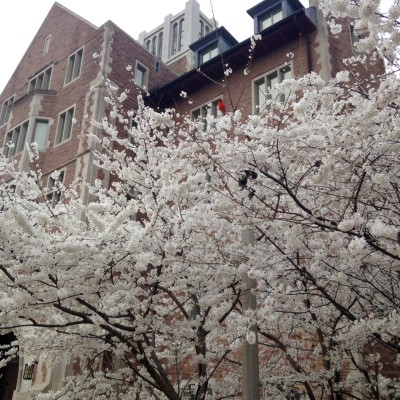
{"x":308,"y":44}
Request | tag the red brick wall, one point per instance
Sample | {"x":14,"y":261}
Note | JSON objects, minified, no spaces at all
{"x":237,"y":92}
{"x":126,"y":51}
{"x":180,"y":66}
{"x":68,"y":34}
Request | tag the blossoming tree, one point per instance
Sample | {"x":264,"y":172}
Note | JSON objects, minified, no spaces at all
{"x":143,"y":287}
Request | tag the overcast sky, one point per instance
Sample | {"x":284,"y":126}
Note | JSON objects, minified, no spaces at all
{"x":20,"y":20}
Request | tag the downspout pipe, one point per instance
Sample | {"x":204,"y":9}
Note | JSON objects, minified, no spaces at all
{"x":308,"y":44}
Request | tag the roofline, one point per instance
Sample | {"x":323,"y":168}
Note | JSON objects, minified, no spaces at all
{"x":74,"y":14}
{"x":217,"y":60}
{"x":219,"y":32}
{"x":261,"y":6}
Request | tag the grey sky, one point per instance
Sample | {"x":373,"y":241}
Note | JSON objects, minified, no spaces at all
{"x":21,"y":19}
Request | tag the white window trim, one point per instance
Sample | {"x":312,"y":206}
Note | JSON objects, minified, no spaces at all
{"x":264,"y":76}
{"x":73,"y":67}
{"x":58,"y":124}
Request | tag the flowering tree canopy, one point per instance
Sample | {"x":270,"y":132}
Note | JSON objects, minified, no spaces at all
{"x":143,"y":286}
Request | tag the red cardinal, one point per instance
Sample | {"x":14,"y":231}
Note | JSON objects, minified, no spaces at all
{"x":221,"y":106}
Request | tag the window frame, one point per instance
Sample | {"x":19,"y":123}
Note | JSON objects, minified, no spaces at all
{"x":46,"y":136}
{"x":72,"y":72}
{"x":60,"y":132}
{"x":206,"y":109}
{"x":53,"y":194}
{"x":181,"y":32}
{"x":6,"y":110}
{"x":14,"y":136}
{"x":28,"y":372}
{"x":46,"y":46}
{"x":266,"y":81}
{"x":154,"y":45}
{"x":270,"y":15}
{"x":160,"y":44}
{"x":44,"y":77}
{"x":145,"y":74}
{"x":209,"y":51}
{"x":174,"y":37}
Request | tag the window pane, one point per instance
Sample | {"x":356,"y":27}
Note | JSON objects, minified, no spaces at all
{"x":277,"y":15}
{"x":160,"y":44}
{"x":6,"y":149}
{"x":174,"y":38}
{"x":46,"y":80}
{"x":68,"y":125}
{"x":260,"y":97}
{"x":78,"y":62}
{"x":61,"y":124}
{"x":40,"y":134}
{"x":70,"y":69}
{"x":22,"y":137}
{"x":140,"y":75}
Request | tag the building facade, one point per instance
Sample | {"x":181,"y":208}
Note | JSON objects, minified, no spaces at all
{"x":61,"y":82}
{"x":170,"y":41}
{"x":59,"y":85}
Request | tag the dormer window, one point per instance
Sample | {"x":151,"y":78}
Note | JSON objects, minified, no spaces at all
{"x":270,"y":18}
{"x":211,"y":45}
{"x":209,"y":53}
{"x":269,"y":12}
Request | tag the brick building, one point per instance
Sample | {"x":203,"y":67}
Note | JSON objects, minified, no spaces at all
{"x":58,"y":86}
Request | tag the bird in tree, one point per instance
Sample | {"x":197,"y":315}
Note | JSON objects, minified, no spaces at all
{"x":221,"y":106}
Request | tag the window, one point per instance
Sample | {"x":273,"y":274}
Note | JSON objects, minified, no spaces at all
{"x":141,"y":75}
{"x":209,"y":109}
{"x":189,"y":391}
{"x":28,"y":371}
{"x":64,"y":125}
{"x":160,"y":44}
{"x":208,"y":53}
{"x":74,"y":66}
{"x":15,"y":140}
{"x":181,"y":32}
{"x":6,"y":110}
{"x":148,"y":45}
{"x":264,"y":87}
{"x":41,"y":80}
{"x":174,"y":38}
{"x":132,"y":131}
{"x":154,"y":45}
{"x":356,"y":36}
{"x":55,"y":183}
{"x":270,"y":18}
{"x":201,"y":33}
{"x":46,"y":44}
{"x":40,"y":133}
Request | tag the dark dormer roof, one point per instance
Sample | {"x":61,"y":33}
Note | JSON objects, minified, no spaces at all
{"x":220,"y":38}
{"x":266,"y":5}
{"x":219,"y":34}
